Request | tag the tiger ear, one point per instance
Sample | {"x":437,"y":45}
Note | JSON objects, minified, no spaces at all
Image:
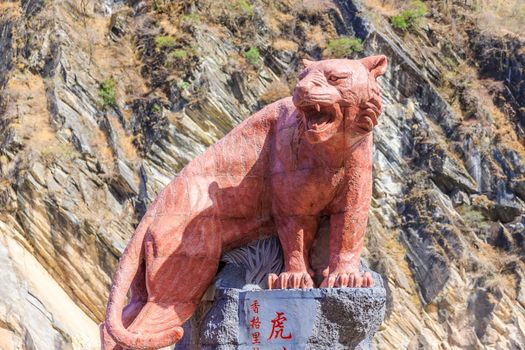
{"x":375,"y":64}
{"x":307,"y":62}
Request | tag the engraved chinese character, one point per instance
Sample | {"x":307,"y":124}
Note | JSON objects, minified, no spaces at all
{"x":255,"y":338}
{"x":255,"y":306}
{"x":278,"y":327}
{"x":255,"y":322}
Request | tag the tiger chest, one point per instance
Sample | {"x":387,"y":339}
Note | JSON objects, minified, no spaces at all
{"x":304,"y":180}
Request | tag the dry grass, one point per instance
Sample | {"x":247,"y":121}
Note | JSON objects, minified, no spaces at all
{"x":105,"y":57}
{"x":169,"y":27}
{"x":275,"y":91}
{"x":275,"y":18}
{"x":99,"y":142}
{"x":384,"y":7}
{"x":501,"y":16}
{"x":388,"y":254}
{"x":284,"y":15}
{"x":314,"y":7}
{"x":57,"y":151}
{"x":285,"y":45}
{"x":31,"y":120}
{"x":125,"y":142}
{"x":498,"y":282}
{"x":466,"y":76}
{"x":493,"y":267}
{"x":28,"y":108}
{"x":317,"y":35}
{"x":504,"y":128}
{"x":10,"y":9}
{"x":494,"y":16}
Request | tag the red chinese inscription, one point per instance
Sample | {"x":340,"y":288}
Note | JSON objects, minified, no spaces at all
{"x":255,"y":338}
{"x":255,"y":306}
{"x":255,"y":322}
{"x":278,"y":327}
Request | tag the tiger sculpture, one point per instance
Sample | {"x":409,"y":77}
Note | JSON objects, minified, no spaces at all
{"x":279,"y":171}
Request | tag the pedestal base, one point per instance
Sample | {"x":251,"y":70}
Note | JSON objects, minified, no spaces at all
{"x":337,"y":318}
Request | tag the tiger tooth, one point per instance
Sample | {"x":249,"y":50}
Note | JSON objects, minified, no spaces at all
{"x":317,"y":107}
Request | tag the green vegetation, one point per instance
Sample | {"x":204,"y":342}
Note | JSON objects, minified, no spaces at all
{"x":157,"y":108}
{"x":244,"y":6}
{"x":107,"y":93}
{"x":253,"y":56}
{"x":184,"y":85}
{"x":180,"y":54}
{"x":161,"y":6}
{"x":344,"y":46}
{"x":193,"y":17}
{"x":157,"y":5}
{"x":411,"y":17}
{"x":165,"y":41}
{"x":399,"y":22}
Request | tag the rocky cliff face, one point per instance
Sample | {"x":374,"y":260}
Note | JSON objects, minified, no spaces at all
{"x":104,"y":101}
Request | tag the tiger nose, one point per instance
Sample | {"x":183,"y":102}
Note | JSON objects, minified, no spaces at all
{"x":300,"y":91}
{"x":303,"y":88}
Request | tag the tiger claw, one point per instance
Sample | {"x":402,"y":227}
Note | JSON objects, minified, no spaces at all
{"x":290,"y":280}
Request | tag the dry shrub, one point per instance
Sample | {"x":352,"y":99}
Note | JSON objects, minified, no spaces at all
{"x":317,"y":35}
{"x":80,"y":10}
{"x":168,"y":7}
{"x":99,"y":142}
{"x":314,"y":7}
{"x":501,"y":16}
{"x":385,"y":7}
{"x":10,"y":10}
{"x":31,"y":118}
{"x":57,"y":151}
{"x":494,"y":16}
{"x":278,"y":15}
{"x":275,"y":91}
{"x":125,"y":142}
{"x":285,"y":45}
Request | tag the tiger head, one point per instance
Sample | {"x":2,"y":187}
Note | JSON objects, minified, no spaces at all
{"x":336,"y":90}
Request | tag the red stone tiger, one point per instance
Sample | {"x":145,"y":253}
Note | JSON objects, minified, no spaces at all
{"x":278,"y":171}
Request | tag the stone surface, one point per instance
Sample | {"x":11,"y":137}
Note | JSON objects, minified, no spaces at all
{"x":338,"y":318}
{"x":35,"y":312}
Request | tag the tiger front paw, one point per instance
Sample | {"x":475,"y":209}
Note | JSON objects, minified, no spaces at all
{"x":346,"y":278}
{"x":290,"y":280}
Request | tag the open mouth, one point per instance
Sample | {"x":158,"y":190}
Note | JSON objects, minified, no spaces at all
{"x":318,"y":117}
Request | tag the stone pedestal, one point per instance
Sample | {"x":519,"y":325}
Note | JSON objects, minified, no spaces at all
{"x":242,"y":314}
{"x":345,"y":318}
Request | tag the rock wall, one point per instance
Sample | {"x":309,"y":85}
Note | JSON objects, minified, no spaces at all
{"x":104,"y":101}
